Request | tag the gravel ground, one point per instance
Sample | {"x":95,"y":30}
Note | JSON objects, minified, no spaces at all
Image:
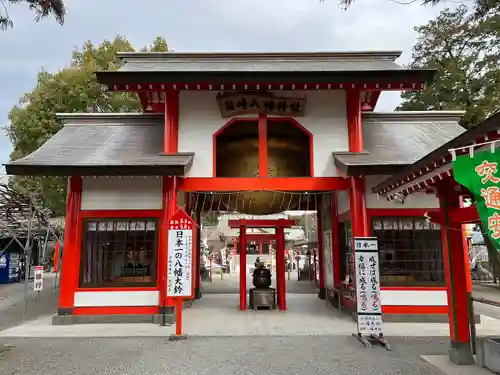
{"x":206,"y":356}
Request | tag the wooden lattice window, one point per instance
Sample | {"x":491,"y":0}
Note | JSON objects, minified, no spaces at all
{"x":119,"y":253}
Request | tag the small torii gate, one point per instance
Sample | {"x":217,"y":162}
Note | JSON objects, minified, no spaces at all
{"x":279,"y":237}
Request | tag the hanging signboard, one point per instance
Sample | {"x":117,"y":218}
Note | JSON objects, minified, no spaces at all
{"x":180,"y":256}
{"x":38,"y":282}
{"x":480,"y":173}
{"x":232,"y":104}
{"x":369,"y":307}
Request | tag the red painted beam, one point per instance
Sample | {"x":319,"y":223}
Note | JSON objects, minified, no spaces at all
{"x":261,"y":237}
{"x":466,"y":215}
{"x":261,"y":223}
{"x":220,"y":184}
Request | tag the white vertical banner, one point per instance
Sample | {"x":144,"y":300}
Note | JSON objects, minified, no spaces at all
{"x":180,"y":256}
{"x":369,"y":306}
{"x":328,"y":263}
{"x":38,"y":279}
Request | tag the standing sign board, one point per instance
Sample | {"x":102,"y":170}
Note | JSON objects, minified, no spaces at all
{"x":180,"y":256}
{"x":369,"y":308}
{"x":38,"y":283}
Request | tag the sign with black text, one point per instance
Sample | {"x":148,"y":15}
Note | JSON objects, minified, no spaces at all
{"x":369,"y":307}
{"x":180,"y":256}
{"x":232,"y":104}
{"x":38,"y":282}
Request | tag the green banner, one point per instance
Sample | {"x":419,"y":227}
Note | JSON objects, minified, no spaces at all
{"x":480,"y":173}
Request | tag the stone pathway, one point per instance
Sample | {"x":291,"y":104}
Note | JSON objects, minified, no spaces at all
{"x":218,"y":315}
{"x":230,"y":284}
{"x":12,"y":302}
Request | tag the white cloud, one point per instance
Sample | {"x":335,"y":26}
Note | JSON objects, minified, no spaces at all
{"x":208,"y":25}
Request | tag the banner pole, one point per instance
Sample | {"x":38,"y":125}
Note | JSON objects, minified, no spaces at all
{"x":178,"y":316}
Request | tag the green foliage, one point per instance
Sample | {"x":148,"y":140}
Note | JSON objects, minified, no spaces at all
{"x":464,"y":48}
{"x":73,"y":89}
{"x":481,"y":7}
{"x":42,"y":9}
{"x":210,"y":219}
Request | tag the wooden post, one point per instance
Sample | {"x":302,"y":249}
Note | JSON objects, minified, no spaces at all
{"x":337,"y":277}
{"x":243,"y":268}
{"x":458,"y":284}
{"x":357,"y":183}
{"x":315,"y":270}
{"x":321,"y":247}
{"x":197,"y":281}
{"x":70,"y":267}
{"x":178,"y":316}
{"x":280,"y":256}
{"x":56,"y":256}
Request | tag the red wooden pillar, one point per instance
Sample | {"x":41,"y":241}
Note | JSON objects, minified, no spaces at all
{"x":280,"y":266}
{"x":166,"y":304}
{"x":458,"y":283}
{"x":171,"y":132}
{"x":197,"y":281}
{"x":260,"y":247}
{"x":337,"y":277}
{"x":359,"y":216}
{"x":243,"y":267}
{"x":70,"y":267}
{"x":321,"y":255}
{"x":56,"y":256}
{"x":278,"y":272}
{"x":170,"y":146}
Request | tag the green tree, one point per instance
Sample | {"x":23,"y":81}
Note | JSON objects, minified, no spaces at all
{"x":210,"y":218}
{"x":42,"y":9}
{"x":73,"y":89}
{"x":464,"y":48}
{"x":481,"y":7}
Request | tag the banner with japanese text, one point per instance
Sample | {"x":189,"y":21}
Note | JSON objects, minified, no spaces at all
{"x":369,"y":306}
{"x":480,"y":174}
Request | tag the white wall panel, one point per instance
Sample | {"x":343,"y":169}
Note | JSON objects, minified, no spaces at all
{"x":325,"y":118}
{"x":126,"y":193}
{"x":343,"y":204}
{"x":414,"y":297}
{"x":118,"y":298}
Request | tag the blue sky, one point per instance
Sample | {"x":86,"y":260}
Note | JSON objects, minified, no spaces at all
{"x":202,"y":25}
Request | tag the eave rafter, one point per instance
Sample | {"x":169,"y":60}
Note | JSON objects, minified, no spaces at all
{"x":157,"y":90}
{"x":430,"y":174}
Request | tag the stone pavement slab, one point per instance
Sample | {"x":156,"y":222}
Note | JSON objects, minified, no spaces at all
{"x":230,"y":284}
{"x":443,"y":363}
{"x":262,"y":355}
{"x":218,"y":315}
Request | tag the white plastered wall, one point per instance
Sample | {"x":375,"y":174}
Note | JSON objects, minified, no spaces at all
{"x":415,"y":200}
{"x":122,"y":193}
{"x":200,"y":118}
{"x":343,"y":203}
